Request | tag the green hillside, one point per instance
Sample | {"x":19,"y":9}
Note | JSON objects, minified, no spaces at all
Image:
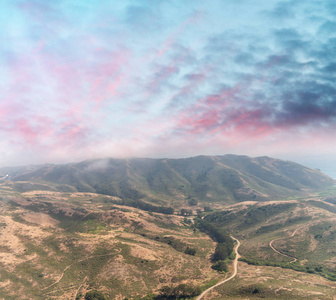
{"x":297,"y":234}
{"x":207,"y":179}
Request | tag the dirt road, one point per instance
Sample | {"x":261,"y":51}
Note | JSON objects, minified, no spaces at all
{"x":235,"y":269}
{"x":286,"y":237}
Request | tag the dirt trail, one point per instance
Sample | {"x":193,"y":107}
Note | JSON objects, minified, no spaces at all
{"x":75,"y":298}
{"x":76,"y":262}
{"x":286,"y":237}
{"x":235,"y":269}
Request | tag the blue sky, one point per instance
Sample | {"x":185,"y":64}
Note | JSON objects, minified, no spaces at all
{"x":84,"y":79}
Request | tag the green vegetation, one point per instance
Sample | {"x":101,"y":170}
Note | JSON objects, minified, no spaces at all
{"x":276,"y":226}
{"x":148,"y":207}
{"x":28,"y":186}
{"x":201,"y":179}
{"x":255,"y":291}
{"x":246,"y":218}
{"x":320,"y":204}
{"x":329,"y":192}
{"x":297,"y":266}
{"x":208,"y":284}
{"x":319,"y":231}
{"x":225,"y":244}
{"x":94,"y":295}
{"x":190,"y":251}
{"x":219,"y":234}
{"x":186,"y":212}
{"x":177,"y":244}
{"x":182,"y":291}
{"x":207,"y":209}
{"x":309,"y":245}
{"x":193,"y":202}
{"x":223,"y":251}
{"x":220,"y":266}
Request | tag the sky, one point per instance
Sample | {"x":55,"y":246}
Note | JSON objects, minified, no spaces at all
{"x":167,"y":78}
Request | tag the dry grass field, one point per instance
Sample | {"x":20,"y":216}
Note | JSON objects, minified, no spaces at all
{"x":260,"y":282}
{"x":60,"y":245}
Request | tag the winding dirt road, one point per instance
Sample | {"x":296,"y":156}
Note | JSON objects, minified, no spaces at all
{"x":286,"y":237}
{"x":235,"y":269}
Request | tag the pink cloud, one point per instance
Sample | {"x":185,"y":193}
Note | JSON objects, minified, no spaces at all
{"x":107,"y":76}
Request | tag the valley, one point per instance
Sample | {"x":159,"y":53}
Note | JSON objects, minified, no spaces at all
{"x":57,"y":242}
{"x":235,"y":270}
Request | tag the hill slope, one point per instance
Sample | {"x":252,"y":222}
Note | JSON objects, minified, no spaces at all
{"x":57,"y":245}
{"x":222,"y":179}
{"x":297,"y":234}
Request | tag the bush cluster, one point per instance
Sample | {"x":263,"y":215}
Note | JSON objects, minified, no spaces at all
{"x":294,"y":266}
{"x":181,"y":291}
{"x":225,"y":244}
{"x":94,"y":295}
{"x":220,"y":266}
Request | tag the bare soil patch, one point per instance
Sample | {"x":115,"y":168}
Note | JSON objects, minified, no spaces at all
{"x":144,"y":253}
{"x":41,"y":219}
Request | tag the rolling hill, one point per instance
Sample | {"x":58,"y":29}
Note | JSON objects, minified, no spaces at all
{"x":68,"y":230}
{"x":207,"y":179}
{"x":297,"y":234}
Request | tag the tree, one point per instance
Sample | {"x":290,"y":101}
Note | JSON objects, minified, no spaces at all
{"x":222,"y":252}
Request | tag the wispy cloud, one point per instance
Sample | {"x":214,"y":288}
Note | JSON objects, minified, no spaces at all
{"x":152,"y":78}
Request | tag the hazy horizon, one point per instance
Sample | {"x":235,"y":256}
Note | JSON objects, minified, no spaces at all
{"x":327,"y":167}
{"x":88,"y":79}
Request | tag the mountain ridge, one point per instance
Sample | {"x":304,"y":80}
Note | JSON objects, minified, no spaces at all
{"x":227,"y":178}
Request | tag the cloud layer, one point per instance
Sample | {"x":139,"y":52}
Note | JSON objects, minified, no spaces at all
{"x":84,"y":79}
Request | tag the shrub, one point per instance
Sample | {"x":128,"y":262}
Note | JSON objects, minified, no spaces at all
{"x":220,"y":266}
{"x":190,"y":251}
{"x":181,"y":291}
{"x":207,"y":208}
{"x":193,"y":202}
{"x":94,"y":295}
